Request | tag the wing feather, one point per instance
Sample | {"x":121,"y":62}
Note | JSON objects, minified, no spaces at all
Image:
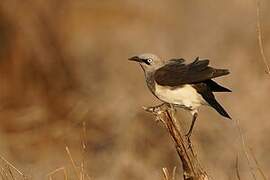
{"x":177,"y":73}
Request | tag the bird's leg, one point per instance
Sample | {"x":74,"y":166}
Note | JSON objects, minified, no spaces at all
{"x":172,"y":109}
{"x":195,"y":115}
{"x":162,"y":104}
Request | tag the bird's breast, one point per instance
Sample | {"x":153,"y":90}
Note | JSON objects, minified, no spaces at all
{"x":185,"y":95}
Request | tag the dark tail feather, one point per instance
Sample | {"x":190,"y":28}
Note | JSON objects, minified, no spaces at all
{"x":209,"y":97}
{"x":215,"y":87}
{"x":219,"y":108}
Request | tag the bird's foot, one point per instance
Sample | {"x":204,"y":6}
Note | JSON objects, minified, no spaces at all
{"x":156,"y":110}
{"x":188,"y":136}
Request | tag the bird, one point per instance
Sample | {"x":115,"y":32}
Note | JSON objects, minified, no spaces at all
{"x":181,"y":84}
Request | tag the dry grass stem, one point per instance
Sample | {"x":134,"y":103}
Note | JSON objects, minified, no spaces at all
{"x":260,"y":41}
{"x":73,"y":164}
{"x":174,"y":173}
{"x":50,"y":175}
{"x":257,"y":164}
{"x":245,"y":149}
{"x":166,"y":174}
{"x":10,"y":173}
{"x":83,"y":138}
{"x":237,"y":168}
{"x":83,"y":174}
{"x":13,"y":167}
{"x":80,"y":170}
{"x":190,"y":164}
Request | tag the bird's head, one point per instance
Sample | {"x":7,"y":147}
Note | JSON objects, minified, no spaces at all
{"x":149,"y":62}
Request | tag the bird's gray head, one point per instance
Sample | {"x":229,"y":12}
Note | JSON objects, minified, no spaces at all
{"x":149,"y":62}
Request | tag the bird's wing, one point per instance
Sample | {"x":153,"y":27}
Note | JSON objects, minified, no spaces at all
{"x":176,"y":73}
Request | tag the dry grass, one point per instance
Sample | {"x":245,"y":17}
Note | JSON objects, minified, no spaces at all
{"x":190,"y":164}
{"x":252,"y":161}
{"x":237,"y":168}
{"x":58,"y":170}
{"x":260,"y":41}
{"x":167,"y":175}
{"x":9,"y":172}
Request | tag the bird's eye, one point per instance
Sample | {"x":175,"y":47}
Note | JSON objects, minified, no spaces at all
{"x":149,"y":60}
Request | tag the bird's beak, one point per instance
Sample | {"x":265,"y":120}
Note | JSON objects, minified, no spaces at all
{"x":135,"y":58}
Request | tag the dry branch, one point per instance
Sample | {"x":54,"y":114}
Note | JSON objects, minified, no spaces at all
{"x":190,"y":164}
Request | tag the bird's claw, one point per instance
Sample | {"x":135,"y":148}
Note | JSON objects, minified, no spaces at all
{"x":188,"y":136}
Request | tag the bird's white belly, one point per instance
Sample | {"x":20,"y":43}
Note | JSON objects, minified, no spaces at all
{"x":185,"y":96}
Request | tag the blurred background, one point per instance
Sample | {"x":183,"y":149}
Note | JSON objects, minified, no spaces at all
{"x":64,"y":64}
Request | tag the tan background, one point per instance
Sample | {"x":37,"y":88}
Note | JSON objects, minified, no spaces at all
{"x":63,"y":63}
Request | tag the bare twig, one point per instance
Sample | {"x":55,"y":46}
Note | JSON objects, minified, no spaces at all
{"x":190,"y":165}
{"x":259,"y":32}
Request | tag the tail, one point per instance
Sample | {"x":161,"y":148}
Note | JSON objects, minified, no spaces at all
{"x":215,"y":87}
{"x":214,"y":104}
{"x":205,"y":91}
